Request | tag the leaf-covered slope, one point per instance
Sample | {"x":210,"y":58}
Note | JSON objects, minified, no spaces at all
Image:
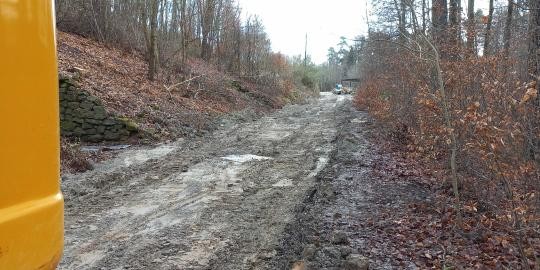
{"x":119,"y":79}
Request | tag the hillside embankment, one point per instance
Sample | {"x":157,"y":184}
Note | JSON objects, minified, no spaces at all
{"x":178,"y":104}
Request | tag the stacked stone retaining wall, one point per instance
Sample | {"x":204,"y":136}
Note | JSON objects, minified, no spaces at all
{"x":84,"y":116}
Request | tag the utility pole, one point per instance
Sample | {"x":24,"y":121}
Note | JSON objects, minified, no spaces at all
{"x":305,"y":53}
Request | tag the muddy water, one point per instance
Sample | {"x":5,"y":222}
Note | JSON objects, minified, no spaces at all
{"x":219,"y":202}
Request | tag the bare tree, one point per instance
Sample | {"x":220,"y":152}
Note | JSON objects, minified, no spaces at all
{"x":169,"y":32}
{"x":206,"y":12}
{"x":508,"y":27}
{"x":487,"y":39}
{"x":454,"y":21}
{"x":534,"y":39}
{"x":439,"y":18}
{"x":471,"y":25}
{"x":401,"y":10}
{"x":151,"y":37}
{"x":184,"y":30}
{"x":534,"y":66}
{"x":424,"y":16}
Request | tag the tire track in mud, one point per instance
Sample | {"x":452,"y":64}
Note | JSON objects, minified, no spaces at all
{"x":219,"y":202}
{"x":333,"y":227}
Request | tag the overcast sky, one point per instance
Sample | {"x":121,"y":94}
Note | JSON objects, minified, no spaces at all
{"x":325,"y":21}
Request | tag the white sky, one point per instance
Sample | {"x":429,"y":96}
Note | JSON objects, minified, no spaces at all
{"x":325,"y":21}
{"x":288,"y":21}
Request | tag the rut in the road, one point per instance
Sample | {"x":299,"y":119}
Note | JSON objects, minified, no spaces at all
{"x":340,"y":220}
{"x":221,"y":202}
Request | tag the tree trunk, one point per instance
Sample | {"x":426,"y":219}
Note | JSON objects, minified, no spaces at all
{"x":184,"y":30}
{"x":400,"y":9}
{"x":488,"y":28}
{"x":237,"y":48}
{"x":534,"y":38}
{"x":424,"y":16}
{"x":454,"y":21}
{"x":100,"y":35}
{"x":534,"y":64}
{"x":152,"y":48}
{"x":508,"y":28}
{"x":207,"y":16}
{"x":471,"y":35}
{"x":447,"y":117}
{"x":439,"y":18}
{"x":402,"y":18}
{"x":173,"y":27}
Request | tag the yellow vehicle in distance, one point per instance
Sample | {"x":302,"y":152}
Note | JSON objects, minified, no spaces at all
{"x":31,"y":204}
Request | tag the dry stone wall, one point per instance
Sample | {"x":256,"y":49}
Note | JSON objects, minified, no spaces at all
{"x":84,"y":116}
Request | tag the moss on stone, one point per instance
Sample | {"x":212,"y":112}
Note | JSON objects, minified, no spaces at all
{"x":130,"y":125}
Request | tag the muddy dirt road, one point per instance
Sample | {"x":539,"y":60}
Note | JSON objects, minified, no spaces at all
{"x":219,"y":202}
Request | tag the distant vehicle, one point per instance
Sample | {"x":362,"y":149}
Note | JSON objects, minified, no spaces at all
{"x":338,"y":89}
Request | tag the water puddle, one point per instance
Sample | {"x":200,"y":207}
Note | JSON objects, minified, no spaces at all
{"x":90,"y":257}
{"x":359,"y":121}
{"x":283,"y":183}
{"x":275,"y":135}
{"x":139,"y":157}
{"x":245,"y":158}
{"x":137,"y":210}
{"x":325,"y":94}
{"x":321,"y":163}
{"x":129,"y":156}
{"x":99,"y":148}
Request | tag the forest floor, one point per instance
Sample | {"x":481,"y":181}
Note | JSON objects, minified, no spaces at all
{"x":305,"y":187}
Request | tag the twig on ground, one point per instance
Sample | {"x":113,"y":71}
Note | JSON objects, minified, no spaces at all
{"x":170,"y":88}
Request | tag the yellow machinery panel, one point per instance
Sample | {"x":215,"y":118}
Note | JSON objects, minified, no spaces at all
{"x":31,"y":205}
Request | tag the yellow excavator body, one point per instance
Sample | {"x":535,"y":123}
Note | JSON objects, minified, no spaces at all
{"x":31,"y":204}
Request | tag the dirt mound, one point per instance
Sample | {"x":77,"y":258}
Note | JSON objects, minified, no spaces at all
{"x":119,"y":79}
